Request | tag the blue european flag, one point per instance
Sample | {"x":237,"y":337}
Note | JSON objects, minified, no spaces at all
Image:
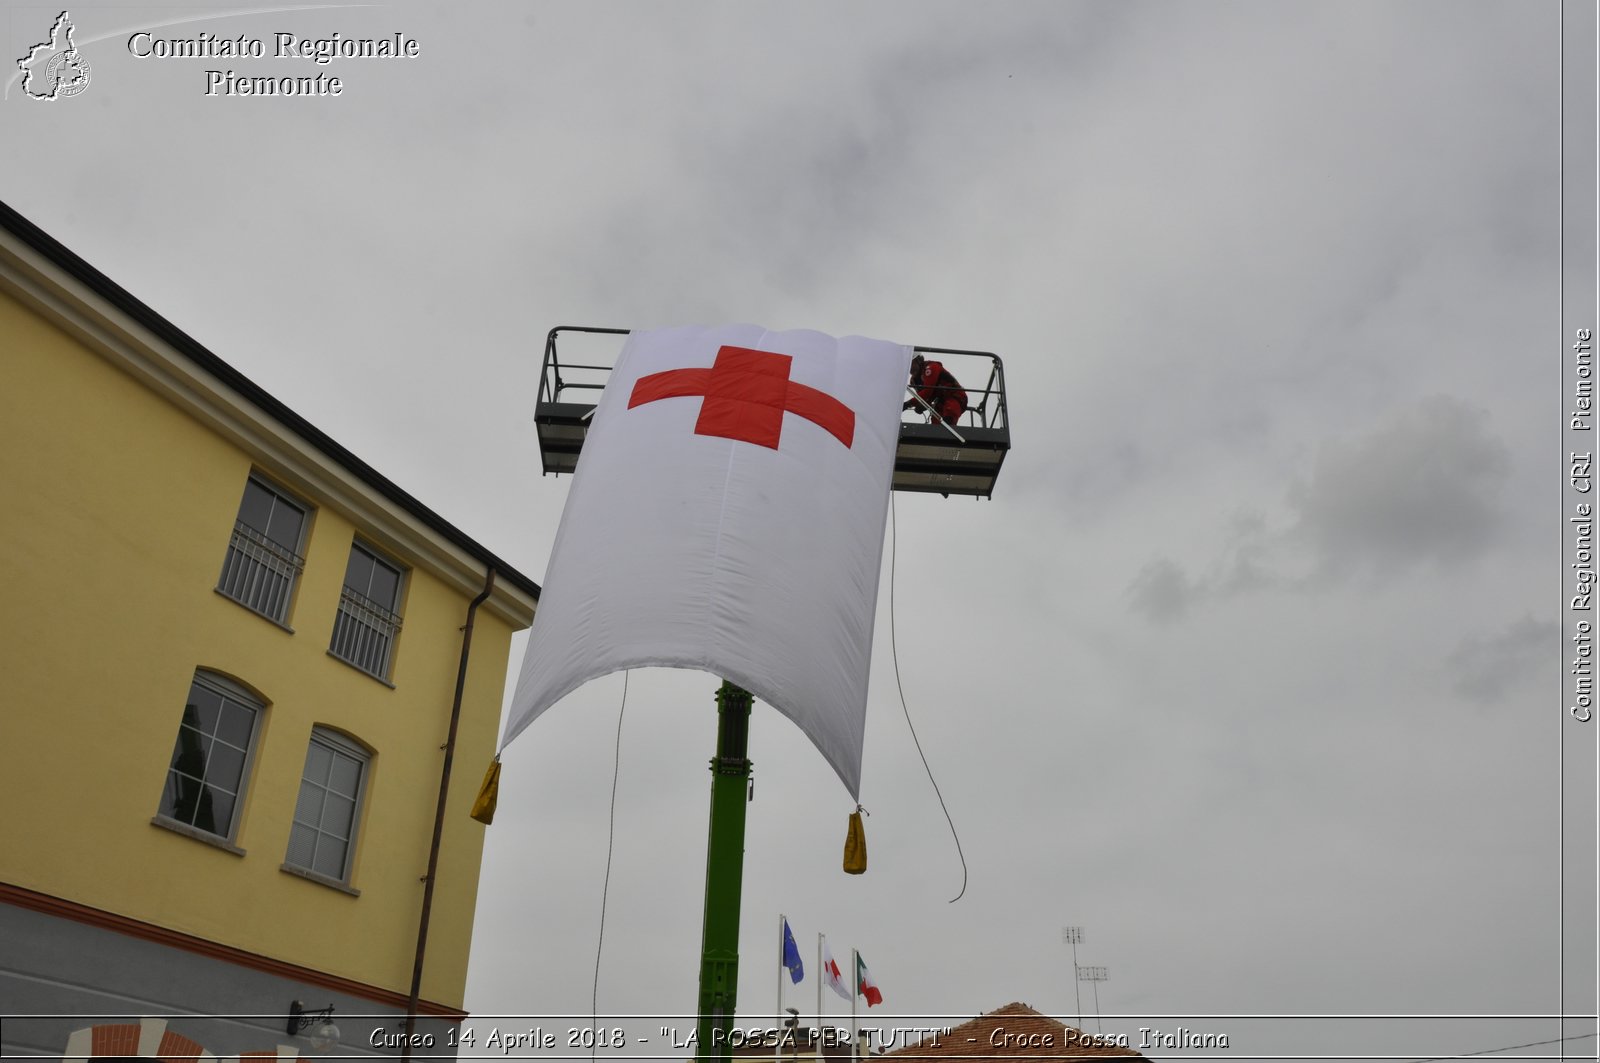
{"x":791,"y":956}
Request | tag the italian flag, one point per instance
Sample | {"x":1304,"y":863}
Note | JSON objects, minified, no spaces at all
{"x":865,"y":986}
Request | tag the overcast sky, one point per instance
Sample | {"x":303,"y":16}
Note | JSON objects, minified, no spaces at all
{"x":1252,"y":666}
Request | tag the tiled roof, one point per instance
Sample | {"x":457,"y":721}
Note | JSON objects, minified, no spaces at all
{"x":1014,"y":1031}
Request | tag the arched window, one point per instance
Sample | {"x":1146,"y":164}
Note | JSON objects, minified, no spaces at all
{"x":211,"y":757}
{"x":323,"y":836}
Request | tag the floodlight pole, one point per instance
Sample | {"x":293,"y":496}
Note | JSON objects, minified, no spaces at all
{"x":1071,"y":935}
{"x":1095,"y":975}
{"x":719,"y":948}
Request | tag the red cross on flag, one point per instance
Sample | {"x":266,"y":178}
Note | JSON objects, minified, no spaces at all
{"x":727,"y":515}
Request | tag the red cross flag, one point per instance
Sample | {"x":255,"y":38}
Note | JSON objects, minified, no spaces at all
{"x":728,"y":515}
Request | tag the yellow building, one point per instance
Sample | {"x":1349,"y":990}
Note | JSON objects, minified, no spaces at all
{"x":231,"y":653}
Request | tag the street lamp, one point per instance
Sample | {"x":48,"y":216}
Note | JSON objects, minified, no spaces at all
{"x":793,"y":1024}
{"x":324,"y":1034}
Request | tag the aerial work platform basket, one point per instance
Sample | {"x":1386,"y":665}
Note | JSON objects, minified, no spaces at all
{"x":962,"y":458}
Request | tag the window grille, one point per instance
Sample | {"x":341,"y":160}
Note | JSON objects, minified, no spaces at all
{"x":258,"y":573}
{"x":263,"y":558}
{"x":363,"y":633}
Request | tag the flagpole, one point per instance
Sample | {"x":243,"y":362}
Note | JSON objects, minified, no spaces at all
{"x":820,"y":977}
{"x":777,"y":1016}
{"x":855,"y":991}
{"x":719,"y":948}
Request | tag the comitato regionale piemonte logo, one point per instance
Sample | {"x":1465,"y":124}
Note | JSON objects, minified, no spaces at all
{"x":55,"y":69}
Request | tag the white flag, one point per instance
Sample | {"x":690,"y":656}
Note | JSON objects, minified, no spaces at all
{"x":728,"y":515}
{"x":831,"y":973}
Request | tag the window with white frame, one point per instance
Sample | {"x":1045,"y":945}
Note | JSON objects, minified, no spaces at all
{"x":322,"y":837}
{"x":367,"y":623}
{"x":211,"y":759}
{"x":263,"y":557}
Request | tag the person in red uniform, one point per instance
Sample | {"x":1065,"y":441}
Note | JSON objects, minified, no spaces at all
{"x":934,"y":384}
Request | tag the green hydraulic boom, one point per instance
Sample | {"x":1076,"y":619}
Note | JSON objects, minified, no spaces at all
{"x":719,"y":949}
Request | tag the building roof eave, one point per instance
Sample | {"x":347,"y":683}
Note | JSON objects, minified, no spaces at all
{"x":518,"y":595}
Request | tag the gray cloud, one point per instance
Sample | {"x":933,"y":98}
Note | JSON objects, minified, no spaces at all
{"x":1423,"y":489}
{"x":1162,"y":591}
{"x":1483,"y":668}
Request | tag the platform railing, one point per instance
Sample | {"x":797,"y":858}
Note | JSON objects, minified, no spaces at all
{"x":558,"y":381}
